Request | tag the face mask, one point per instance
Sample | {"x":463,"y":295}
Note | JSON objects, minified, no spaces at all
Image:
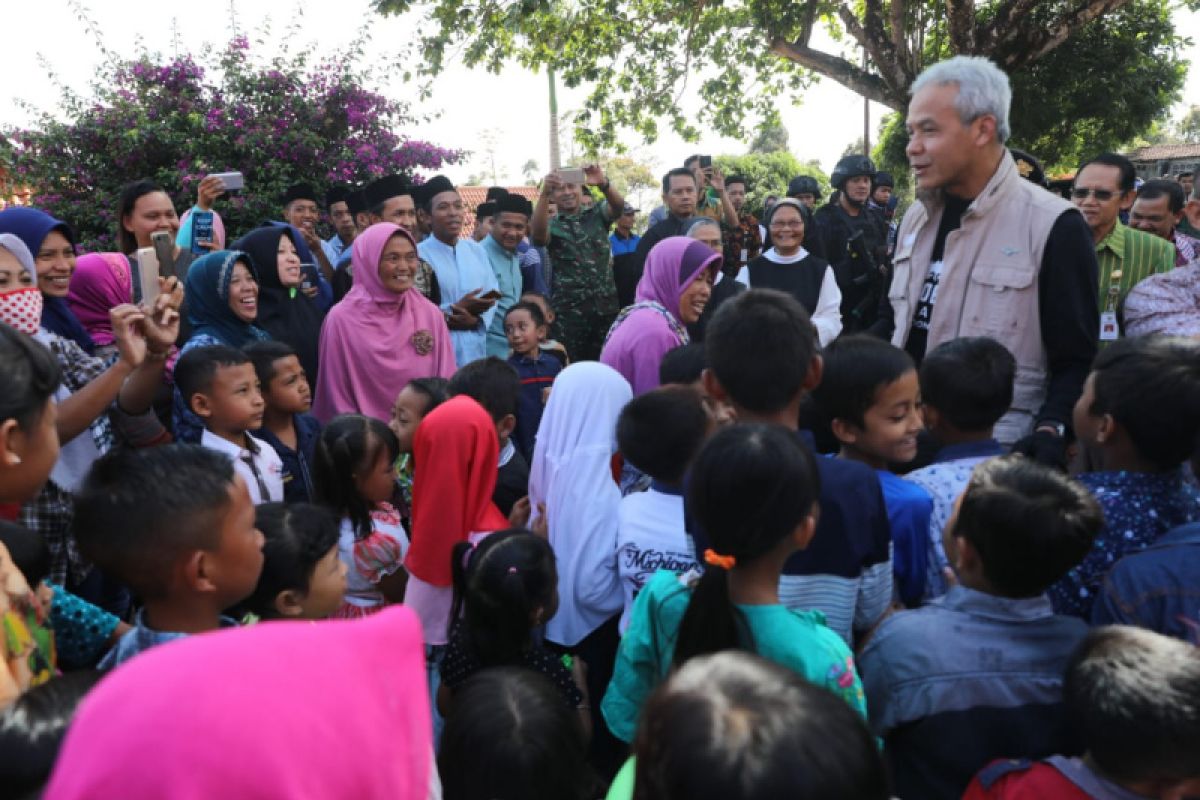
{"x":22,"y":309}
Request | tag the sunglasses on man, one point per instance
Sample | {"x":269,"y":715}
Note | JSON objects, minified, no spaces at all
{"x":1103,"y":195}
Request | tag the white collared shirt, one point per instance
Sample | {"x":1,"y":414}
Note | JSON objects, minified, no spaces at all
{"x":267,"y":472}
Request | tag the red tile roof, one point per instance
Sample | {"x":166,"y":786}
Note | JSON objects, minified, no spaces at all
{"x":1164,"y":152}
{"x":473,"y":196}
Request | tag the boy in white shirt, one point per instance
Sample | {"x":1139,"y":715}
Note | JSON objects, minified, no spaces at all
{"x":220,"y":386}
{"x":660,"y":433}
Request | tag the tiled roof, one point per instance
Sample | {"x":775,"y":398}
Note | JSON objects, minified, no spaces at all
{"x":1164,"y":152}
{"x":472,"y":196}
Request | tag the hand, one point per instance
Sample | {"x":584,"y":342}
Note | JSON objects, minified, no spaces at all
{"x":551,"y":184}
{"x":461,"y":320}
{"x":210,"y":189}
{"x":170,"y":295}
{"x":473,"y":304}
{"x":206,"y":244}
{"x":521,"y":510}
{"x":1045,"y":447}
{"x":541,"y":525}
{"x":311,"y":239}
{"x":161,"y":330}
{"x":310,"y":291}
{"x":715,"y":179}
{"x":594,"y":175}
{"x":131,"y":343}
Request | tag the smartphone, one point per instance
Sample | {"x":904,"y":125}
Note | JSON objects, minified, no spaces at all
{"x":232,"y":181}
{"x":705,"y":162}
{"x":494,"y":294}
{"x":202,"y":230}
{"x":572,"y":175}
{"x":164,"y":250}
{"x":148,"y":276}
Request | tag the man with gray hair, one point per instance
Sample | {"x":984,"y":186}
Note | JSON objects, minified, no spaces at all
{"x":985,"y":253}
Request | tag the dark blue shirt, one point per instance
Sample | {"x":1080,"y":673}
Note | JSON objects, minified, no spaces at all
{"x":621,"y":247}
{"x":1158,"y":588}
{"x":1139,"y":507}
{"x":536,"y":374}
{"x":297,"y":464}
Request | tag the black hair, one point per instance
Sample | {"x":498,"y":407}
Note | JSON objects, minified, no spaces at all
{"x":435,"y":390}
{"x":969,"y":381}
{"x":660,"y":431}
{"x":1172,"y":190}
{"x":349,"y":444}
{"x":535,"y":312}
{"x":690,"y":159}
{"x":759,"y":347}
{"x":677,"y":172}
{"x":130,"y":194}
{"x":751,"y":486}
{"x":1151,"y":387}
{"x":736,"y":179}
{"x":510,"y":736}
{"x":1128,"y":173}
{"x":32,"y":729}
{"x":139,"y":511}
{"x":28,"y":550}
{"x":295,"y":537}
{"x":497,"y":587}
{"x":29,"y":376}
{"x":540,"y":295}
{"x":196,"y":369}
{"x":736,"y":725}
{"x":683,"y":365}
{"x":492,"y":382}
{"x":856,"y":368}
{"x":1029,"y":524}
{"x":263,"y":356}
{"x":1132,"y":694}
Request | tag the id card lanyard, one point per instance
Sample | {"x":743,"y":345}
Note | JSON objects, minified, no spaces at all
{"x":1109,"y":330}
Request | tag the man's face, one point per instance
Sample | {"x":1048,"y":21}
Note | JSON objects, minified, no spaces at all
{"x":1154,"y":216}
{"x":940,"y":148}
{"x":858,"y":188}
{"x":1187,"y":182}
{"x":680,"y":198}
{"x":736,"y":192}
{"x":401,"y":210}
{"x":343,"y":220}
{"x":446,"y":216}
{"x":508,"y":229}
{"x":625,"y":223}
{"x":1101,"y":200}
{"x":483,"y":227}
{"x":807,"y":199}
{"x":568,"y":198}
{"x":882,"y":195}
{"x":303,"y":214}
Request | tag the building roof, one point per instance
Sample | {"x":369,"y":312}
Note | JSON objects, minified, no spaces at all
{"x":1164,"y":152}
{"x":473,"y":196}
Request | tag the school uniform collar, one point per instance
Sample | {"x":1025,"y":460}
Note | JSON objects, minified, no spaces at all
{"x":213,"y":442}
{"x":957,"y":452}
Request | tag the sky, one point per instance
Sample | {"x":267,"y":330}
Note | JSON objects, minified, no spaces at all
{"x":470,"y":106}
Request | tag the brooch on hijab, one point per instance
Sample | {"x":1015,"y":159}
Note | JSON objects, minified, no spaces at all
{"x":422,"y":342}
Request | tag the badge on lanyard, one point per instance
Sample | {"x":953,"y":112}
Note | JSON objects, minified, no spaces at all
{"x":1109,"y":330}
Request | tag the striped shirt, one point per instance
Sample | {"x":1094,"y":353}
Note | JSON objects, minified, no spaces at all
{"x":1127,"y":257}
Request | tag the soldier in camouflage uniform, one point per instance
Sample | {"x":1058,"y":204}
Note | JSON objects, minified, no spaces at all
{"x":582,"y":287}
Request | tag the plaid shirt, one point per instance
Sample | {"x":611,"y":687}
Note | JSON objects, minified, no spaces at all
{"x":744,"y":238}
{"x":52,"y":511}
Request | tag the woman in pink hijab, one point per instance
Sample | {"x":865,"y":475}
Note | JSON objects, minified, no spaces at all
{"x":274,"y":710}
{"x":383,"y":333}
{"x":674,"y":289}
{"x":101,"y":283}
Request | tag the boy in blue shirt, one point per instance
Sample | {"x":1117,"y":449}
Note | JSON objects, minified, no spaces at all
{"x":966,"y":387}
{"x":872,"y":398}
{"x":525,"y":326}
{"x":287,"y":426}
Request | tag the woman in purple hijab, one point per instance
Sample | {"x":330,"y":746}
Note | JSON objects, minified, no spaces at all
{"x":671,"y":295}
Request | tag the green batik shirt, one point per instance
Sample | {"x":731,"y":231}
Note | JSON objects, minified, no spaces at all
{"x":581,"y":256}
{"x":1127,"y":257}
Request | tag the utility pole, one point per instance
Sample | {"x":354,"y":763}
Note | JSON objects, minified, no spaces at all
{"x":555,"y":156}
{"x":866,"y":115}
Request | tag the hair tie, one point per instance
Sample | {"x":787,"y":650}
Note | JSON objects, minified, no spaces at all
{"x":713,"y":558}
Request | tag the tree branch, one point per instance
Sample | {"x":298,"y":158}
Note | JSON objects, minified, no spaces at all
{"x":899,"y":40}
{"x":1027,"y":40}
{"x":960,"y":20}
{"x":852,"y":77}
{"x":882,"y":48}
{"x":809,"y":19}
{"x":1001,"y":22}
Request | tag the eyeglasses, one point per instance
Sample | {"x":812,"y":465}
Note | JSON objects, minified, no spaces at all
{"x":391,"y":259}
{"x":787,"y":223}
{"x":1103,"y":195}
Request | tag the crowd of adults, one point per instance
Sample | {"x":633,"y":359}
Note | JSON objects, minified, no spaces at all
{"x":820,"y":502}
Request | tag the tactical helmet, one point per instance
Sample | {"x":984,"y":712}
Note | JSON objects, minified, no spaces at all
{"x":882,"y":179}
{"x":804,"y":184}
{"x":851,"y":167}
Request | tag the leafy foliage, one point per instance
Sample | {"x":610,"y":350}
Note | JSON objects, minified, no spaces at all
{"x":175,"y":120}
{"x":769,"y":173}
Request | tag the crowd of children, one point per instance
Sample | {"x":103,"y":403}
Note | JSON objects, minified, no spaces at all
{"x":823,"y":579}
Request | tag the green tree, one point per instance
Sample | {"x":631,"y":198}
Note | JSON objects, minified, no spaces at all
{"x":771,"y":138}
{"x":1189,"y":126}
{"x":746,"y":58}
{"x":769,"y":173}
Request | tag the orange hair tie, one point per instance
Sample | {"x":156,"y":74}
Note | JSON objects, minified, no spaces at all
{"x":715,"y":559}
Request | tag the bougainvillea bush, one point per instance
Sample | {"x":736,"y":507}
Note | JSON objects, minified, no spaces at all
{"x":175,"y":120}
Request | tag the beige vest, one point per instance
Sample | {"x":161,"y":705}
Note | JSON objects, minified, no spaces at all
{"x":989,"y":281}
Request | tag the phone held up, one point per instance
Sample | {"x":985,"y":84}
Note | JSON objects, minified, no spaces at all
{"x":705,"y":162}
{"x":571,"y":175}
{"x":232,"y":181}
